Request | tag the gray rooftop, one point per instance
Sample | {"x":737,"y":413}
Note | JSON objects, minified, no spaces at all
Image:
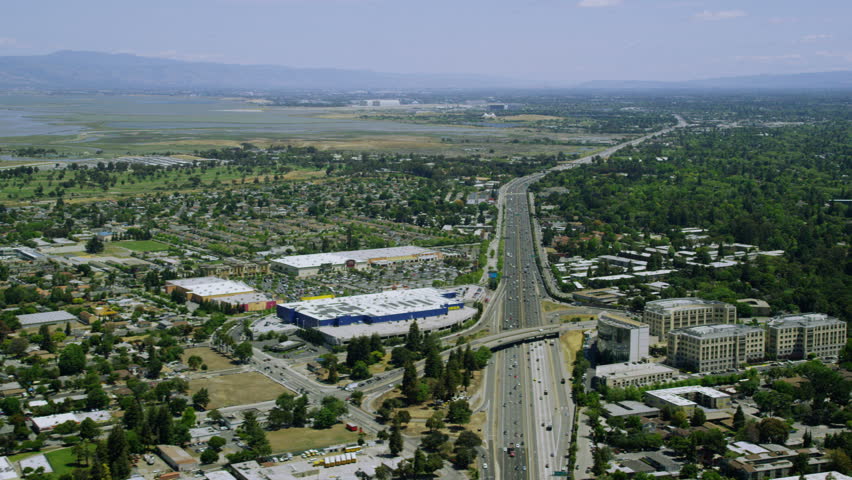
{"x":679,"y":303}
{"x":45,"y":317}
{"x":802,"y":320}
{"x":374,"y":304}
{"x":359,"y":256}
{"x":716,"y":331}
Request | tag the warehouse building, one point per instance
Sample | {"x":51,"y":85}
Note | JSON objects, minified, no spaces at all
{"x":714,"y":348}
{"x":49,"y":422}
{"x":45,"y":318}
{"x":688,"y":398}
{"x":674,"y":313}
{"x":621,"y":375}
{"x":313,"y":264}
{"x":390,"y":306}
{"x":177,"y":458}
{"x":621,"y":339}
{"x":203,"y":289}
{"x":797,"y":336}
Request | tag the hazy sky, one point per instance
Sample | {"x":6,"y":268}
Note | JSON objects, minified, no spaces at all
{"x":556,"y":41}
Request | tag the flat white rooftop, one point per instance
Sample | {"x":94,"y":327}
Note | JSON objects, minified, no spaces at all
{"x":359,"y":256}
{"x":675,"y":303}
{"x":819,"y":476}
{"x":386,"y":303}
{"x":800,"y":320}
{"x":631,"y":369}
{"x":211,"y":286}
{"x":7,"y":471}
{"x":35,"y":462}
{"x":723,"y":330}
{"x":673,"y":395}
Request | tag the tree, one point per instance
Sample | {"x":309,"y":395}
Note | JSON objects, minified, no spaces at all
{"x":72,"y":360}
{"x":360,"y":371}
{"x":209,"y":456}
{"x":679,"y":419}
{"x":468,"y":439}
{"x":356,"y":398}
{"x":201,"y":398}
{"x":698,"y":418}
{"x":89,"y":429}
{"x":459,"y":412}
{"x":414,"y":339}
{"x":739,"y":418}
{"x":689,"y":471}
{"x":300,"y":411}
{"x":97,"y":399}
{"x":435,"y":422}
{"x":278,"y":417}
{"x":463,"y":457}
{"x":46,"y":340}
{"x":773,"y":430}
{"x":118,"y":453}
{"x":244,"y":352}
{"x":410,"y":383}
{"x":194,"y":362}
{"x":395,"y":441}
{"x":94,"y":245}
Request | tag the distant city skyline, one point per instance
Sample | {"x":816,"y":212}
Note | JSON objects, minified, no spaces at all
{"x":543,"y":42}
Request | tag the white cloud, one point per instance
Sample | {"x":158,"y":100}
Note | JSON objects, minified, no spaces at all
{"x":815,"y":37}
{"x":846,"y":56}
{"x":6,"y":42}
{"x":599,"y":3}
{"x":709,"y":16}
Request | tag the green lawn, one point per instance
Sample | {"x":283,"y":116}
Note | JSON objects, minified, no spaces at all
{"x":62,"y":461}
{"x":142,"y":245}
{"x":301,"y":439}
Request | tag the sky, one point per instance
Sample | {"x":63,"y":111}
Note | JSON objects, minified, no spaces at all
{"x":553,"y":42}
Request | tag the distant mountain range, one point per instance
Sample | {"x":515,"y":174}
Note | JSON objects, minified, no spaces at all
{"x":72,"y":70}
{"x":839,"y":80}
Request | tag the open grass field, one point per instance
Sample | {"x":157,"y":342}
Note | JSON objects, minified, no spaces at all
{"x":143,"y":245}
{"x":237,"y":389}
{"x":62,"y":461}
{"x":549,"y":306}
{"x":213,"y":359}
{"x":297,"y":440}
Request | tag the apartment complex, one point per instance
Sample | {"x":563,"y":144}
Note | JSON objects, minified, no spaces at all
{"x":770,"y":461}
{"x":711,"y":348}
{"x":688,"y":398}
{"x":797,"y":336}
{"x":674,"y":313}
{"x":621,"y":339}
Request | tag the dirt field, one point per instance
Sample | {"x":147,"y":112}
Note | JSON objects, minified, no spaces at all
{"x":299,"y":439}
{"x":548,"y":306}
{"x":213,"y":359}
{"x":237,"y":389}
{"x":572,"y":342}
{"x":579,"y":317}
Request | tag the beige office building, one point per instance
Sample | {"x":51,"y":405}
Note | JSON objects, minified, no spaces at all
{"x":674,"y":313}
{"x":797,"y":336}
{"x":715,"y":348}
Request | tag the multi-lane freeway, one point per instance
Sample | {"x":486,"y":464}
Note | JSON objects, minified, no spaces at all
{"x":530,"y":408}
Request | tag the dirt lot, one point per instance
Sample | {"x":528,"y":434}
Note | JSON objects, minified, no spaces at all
{"x":571,"y":342}
{"x":299,"y":439}
{"x":237,"y":389}
{"x":213,"y":359}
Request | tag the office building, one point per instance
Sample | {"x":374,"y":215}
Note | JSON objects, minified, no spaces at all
{"x":673,"y":313}
{"x":621,"y":339}
{"x":620,"y":375}
{"x":797,"y":336}
{"x":46,"y":318}
{"x":313,"y":264}
{"x":713,"y":348}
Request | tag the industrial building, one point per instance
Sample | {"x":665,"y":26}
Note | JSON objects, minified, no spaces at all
{"x":620,"y":375}
{"x":797,"y":336}
{"x":313,"y":264}
{"x":621,"y":339}
{"x":237,"y":295}
{"x":389,"y":306}
{"x":177,"y":458}
{"x":203,"y":289}
{"x":714,"y":348}
{"x":673,"y":313}
{"x":49,"y":422}
{"x":45,"y":318}
{"x":688,"y":398}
